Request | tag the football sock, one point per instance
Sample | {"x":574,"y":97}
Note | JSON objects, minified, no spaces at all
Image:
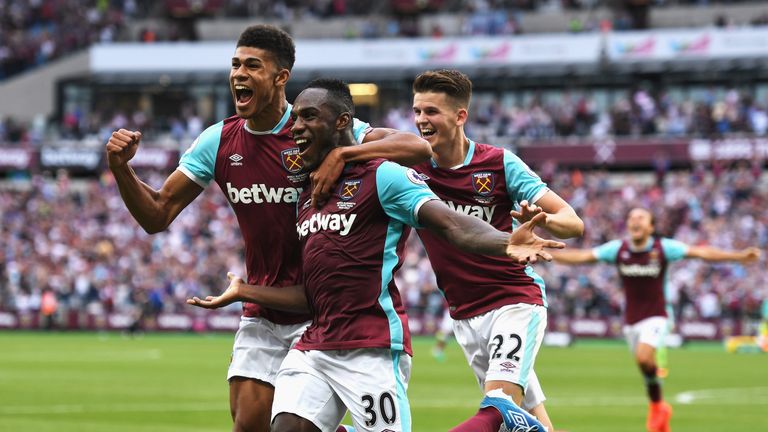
{"x":652,"y":384}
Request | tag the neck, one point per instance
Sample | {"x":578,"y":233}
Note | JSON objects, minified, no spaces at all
{"x":640,"y":243}
{"x":452,"y":153}
{"x":270,"y":116}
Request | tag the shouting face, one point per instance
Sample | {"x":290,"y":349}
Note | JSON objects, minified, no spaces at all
{"x":254,"y":80}
{"x":639,"y":224}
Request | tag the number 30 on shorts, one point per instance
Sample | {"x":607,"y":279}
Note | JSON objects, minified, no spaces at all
{"x":511,"y":347}
{"x":386,"y":406}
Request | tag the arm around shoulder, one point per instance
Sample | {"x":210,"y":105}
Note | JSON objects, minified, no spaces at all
{"x":404,"y":148}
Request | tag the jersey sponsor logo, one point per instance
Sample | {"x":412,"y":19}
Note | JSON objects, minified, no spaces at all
{"x":326,"y":222}
{"x":236,"y":160}
{"x":415,"y":177}
{"x":292,"y":160}
{"x":639,"y":270}
{"x":260,"y":193}
{"x":483,"y":182}
{"x":483,"y":212}
{"x":349,"y":188}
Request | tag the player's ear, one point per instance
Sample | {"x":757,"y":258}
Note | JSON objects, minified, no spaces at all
{"x":343,"y":120}
{"x":461,"y":116}
{"x":282,"y":77}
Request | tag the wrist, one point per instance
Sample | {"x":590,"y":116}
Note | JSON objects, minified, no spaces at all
{"x":118,"y":167}
{"x":343,"y":154}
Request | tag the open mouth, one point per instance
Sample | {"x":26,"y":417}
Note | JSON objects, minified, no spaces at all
{"x":243,"y":94}
{"x":427,"y":132}
{"x":302,"y":143}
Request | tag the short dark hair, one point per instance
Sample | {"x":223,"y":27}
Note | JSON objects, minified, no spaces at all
{"x":272,"y":39}
{"x":453,"y":83}
{"x":339,"y":95}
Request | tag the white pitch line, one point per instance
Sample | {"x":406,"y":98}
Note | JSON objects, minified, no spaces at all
{"x":725,"y":396}
{"x":113,"y":408}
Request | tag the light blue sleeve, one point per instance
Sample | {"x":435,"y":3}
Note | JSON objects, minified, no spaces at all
{"x":522,"y":182}
{"x":360,"y":129}
{"x":673,"y":250}
{"x":402,"y":192}
{"x":199,"y":161}
{"x":607,"y":252}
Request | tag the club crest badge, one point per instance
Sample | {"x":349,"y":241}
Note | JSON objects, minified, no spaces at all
{"x":291,"y":159}
{"x":483,"y":182}
{"x":349,"y":188}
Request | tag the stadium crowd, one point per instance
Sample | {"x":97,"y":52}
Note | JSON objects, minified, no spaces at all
{"x":706,"y":112}
{"x":74,"y":242}
{"x":34,"y":32}
{"x":639,"y":112}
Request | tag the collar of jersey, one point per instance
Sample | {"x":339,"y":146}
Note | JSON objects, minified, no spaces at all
{"x":278,"y":127}
{"x":645,"y":248}
{"x":467,"y":159}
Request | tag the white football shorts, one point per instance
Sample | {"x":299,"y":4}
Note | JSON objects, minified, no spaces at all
{"x":650,"y":331}
{"x":321,"y":386}
{"x":501,"y":345}
{"x":260,"y":347}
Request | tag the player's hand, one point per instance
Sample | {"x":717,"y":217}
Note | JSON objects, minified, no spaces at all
{"x":527,"y":212}
{"x":526,"y":247}
{"x":750,"y":255}
{"x":122,"y":147}
{"x":325,"y":176}
{"x":229,"y":296}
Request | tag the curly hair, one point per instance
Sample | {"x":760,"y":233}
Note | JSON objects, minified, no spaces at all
{"x":273,"y":40}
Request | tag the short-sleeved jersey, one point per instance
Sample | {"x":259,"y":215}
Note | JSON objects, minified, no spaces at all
{"x":261,"y":174}
{"x":352,"y":248}
{"x":643,"y":273}
{"x":487,"y":185}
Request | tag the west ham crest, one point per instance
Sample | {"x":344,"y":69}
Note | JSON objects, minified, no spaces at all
{"x":292,"y":161}
{"x":483,"y":182}
{"x":349,"y":188}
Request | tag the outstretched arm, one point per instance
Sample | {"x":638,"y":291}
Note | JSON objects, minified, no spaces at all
{"x":153,"y":209}
{"x":562,"y":221}
{"x":290,"y":298}
{"x":575,"y":256}
{"x":709,"y":253}
{"x":380,"y":143}
{"x":473,"y":235}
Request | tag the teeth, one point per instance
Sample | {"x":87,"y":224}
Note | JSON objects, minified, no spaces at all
{"x":241,"y":87}
{"x":300,"y":141}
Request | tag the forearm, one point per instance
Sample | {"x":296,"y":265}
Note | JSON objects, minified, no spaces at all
{"x":709,"y":253}
{"x":473,"y":235}
{"x":141,"y":200}
{"x":288,"y":298}
{"x":574,"y":256}
{"x":401,"y":147}
{"x":564,"y":224}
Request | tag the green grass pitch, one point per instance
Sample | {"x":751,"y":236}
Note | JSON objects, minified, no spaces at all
{"x":89,"y":382}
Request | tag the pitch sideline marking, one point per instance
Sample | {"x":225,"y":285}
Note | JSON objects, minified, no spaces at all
{"x":714,"y":396}
{"x":724,"y":396}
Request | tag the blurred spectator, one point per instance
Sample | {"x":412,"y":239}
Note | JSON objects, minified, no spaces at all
{"x":77,"y":240}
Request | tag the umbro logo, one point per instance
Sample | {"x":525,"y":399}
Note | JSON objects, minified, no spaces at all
{"x":235,"y":158}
